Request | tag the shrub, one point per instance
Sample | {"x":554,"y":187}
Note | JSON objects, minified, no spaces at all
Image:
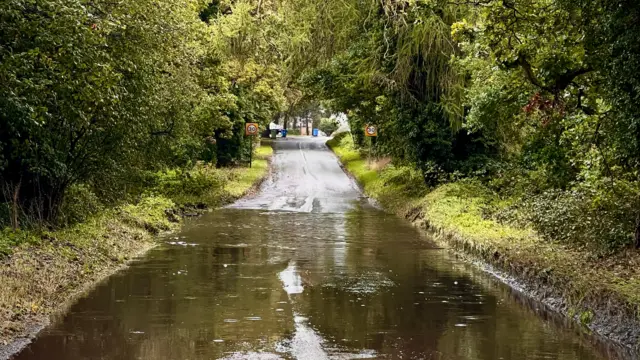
{"x":600,"y":217}
{"x":79,"y":204}
{"x":410,"y":179}
{"x":343,"y":140}
{"x":188,"y":187}
{"x":10,"y":238}
{"x":150,"y":213}
{"x":328,"y":126}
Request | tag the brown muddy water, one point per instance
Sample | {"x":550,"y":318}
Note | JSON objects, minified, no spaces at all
{"x":286,"y":275}
{"x":245,"y":284}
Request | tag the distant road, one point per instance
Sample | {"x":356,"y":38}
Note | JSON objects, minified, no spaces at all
{"x":306,"y":177}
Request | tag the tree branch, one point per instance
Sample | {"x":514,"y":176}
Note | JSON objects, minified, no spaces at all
{"x":528,"y":72}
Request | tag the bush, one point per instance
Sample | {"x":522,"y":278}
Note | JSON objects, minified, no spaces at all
{"x":188,"y":187}
{"x":150,"y":213}
{"x":79,"y":204}
{"x":410,"y":179}
{"x":343,"y":140}
{"x":328,"y":126}
{"x":601,"y":217}
{"x":10,"y":238}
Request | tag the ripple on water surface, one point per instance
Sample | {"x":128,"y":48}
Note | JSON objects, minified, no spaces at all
{"x":249,"y":284}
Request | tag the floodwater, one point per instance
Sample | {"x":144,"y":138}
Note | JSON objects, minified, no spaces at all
{"x":307,"y":269}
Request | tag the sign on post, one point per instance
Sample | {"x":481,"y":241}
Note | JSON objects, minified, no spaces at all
{"x":371,"y":131}
{"x":251,"y":129}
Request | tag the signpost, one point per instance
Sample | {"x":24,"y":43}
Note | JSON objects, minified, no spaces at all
{"x":371,"y":131}
{"x":251,"y":129}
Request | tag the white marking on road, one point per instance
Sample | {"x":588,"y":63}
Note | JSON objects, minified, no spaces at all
{"x":304,"y":157}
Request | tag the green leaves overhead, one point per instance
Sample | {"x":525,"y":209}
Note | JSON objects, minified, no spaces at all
{"x":531,"y":96}
{"x":543,"y":93}
{"x":95,"y":92}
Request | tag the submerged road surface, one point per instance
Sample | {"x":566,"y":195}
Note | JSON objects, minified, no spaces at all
{"x":306,"y":269}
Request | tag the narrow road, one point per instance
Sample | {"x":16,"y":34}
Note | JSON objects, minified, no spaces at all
{"x":305,"y":269}
{"x":306,"y":178}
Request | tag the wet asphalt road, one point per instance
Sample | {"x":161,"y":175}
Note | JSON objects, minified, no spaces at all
{"x":306,"y":178}
{"x":305,"y":269}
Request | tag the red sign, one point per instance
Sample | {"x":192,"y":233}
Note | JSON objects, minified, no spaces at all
{"x":251,"y":129}
{"x":371,"y":131}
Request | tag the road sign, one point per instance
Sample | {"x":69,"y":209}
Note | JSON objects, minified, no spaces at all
{"x":371,"y":131}
{"x":251,"y":129}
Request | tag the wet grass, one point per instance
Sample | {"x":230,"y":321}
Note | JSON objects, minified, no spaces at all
{"x":65,"y":261}
{"x":206,"y":186}
{"x":243,"y":179}
{"x":603,"y":287}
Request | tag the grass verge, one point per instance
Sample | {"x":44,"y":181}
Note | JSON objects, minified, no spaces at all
{"x":242,"y":180}
{"x":66,"y":261}
{"x":603,"y":293}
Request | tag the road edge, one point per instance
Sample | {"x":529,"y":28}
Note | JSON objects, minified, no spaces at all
{"x":34,"y":324}
{"x":609,"y":324}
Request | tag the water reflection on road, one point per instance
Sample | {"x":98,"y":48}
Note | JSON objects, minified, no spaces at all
{"x":253,"y":284}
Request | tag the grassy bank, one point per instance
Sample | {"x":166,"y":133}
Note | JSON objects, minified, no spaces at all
{"x":66,"y":261}
{"x":602,"y":292}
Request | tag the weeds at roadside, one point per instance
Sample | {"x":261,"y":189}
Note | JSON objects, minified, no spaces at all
{"x":464,"y":213}
{"x":67,"y":259}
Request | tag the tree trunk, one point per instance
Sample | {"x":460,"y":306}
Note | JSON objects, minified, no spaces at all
{"x":55,"y":204}
{"x":638,"y":232}
{"x":14,"y":205}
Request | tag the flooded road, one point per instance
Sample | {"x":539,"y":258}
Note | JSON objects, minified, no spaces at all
{"x":306,"y":269}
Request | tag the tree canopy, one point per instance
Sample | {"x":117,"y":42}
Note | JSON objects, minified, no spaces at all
{"x":540,"y":99}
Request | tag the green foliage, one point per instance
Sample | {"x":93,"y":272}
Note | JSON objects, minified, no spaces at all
{"x":183,"y":187}
{"x":107,"y":92}
{"x":79,"y":205}
{"x":460,"y":208}
{"x":410,"y":178}
{"x":586,"y":317}
{"x":9,"y":239}
{"x":596,"y":216}
{"x":264,"y":151}
{"x":328,"y":126}
{"x":342,"y":144}
{"x":397,"y":74}
{"x":610,"y":30}
{"x":469,"y":216}
{"x":149,"y":213}
{"x":539,"y":99}
{"x":207,"y":186}
{"x":241,"y":182}
{"x":91,"y":95}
